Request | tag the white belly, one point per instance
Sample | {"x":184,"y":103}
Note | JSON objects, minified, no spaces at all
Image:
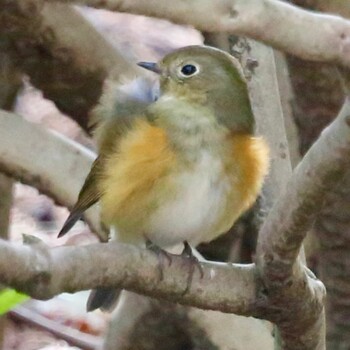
{"x":193,"y":214}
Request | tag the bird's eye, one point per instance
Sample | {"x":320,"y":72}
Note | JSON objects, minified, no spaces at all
{"x":188,"y":70}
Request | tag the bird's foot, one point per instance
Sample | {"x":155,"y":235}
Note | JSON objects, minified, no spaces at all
{"x":193,"y":262}
{"x":162,"y":255}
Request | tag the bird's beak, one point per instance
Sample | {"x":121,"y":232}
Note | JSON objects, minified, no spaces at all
{"x":150,"y":66}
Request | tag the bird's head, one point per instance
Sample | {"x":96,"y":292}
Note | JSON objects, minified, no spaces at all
{"x":208,"y":77}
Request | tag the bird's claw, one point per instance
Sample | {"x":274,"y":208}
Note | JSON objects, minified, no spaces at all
{"x":161,"y":255}
{"x":193,"y":262}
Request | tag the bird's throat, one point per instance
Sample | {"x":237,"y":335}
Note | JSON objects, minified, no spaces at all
{"x":190,"y":128}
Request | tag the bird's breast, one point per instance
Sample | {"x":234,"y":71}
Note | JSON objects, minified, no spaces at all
{"x":149,"y":191}
{"x":192,"y":213}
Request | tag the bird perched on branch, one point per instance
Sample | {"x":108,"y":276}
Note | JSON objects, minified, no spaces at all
{"x":182,"y":168}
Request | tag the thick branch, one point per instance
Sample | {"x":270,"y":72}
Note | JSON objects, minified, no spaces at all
{"x":332,"y":228}
{"x":314,"y":36}
{"x":320,"y":171}
{"x":10,"y":83}
{"x":60,"y":168}
{"x":266,"y":103}
{"x":42,"y":273}
{"x":285,"y":282}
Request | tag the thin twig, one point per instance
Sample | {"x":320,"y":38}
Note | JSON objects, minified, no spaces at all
{"x":72,"y":336}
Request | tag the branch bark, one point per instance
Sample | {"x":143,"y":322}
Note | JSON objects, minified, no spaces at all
{"x":59,"y":171}
{"x":332,"y":228}
{"x":10,"y":83}
{"x":266,"y":103}
{"x":284,"y":230}
{"x":314,"y":36}
{"x":283,"y":276}
{"x":265,"y":90}
{"x":287,"y":99}
{"x":42,"y":273}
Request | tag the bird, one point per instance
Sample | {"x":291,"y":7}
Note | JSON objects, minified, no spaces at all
{"x":180,"y":165}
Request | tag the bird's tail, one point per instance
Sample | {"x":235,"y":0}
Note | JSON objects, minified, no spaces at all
{"x":102,"y":298}
{"x":106,"y":299}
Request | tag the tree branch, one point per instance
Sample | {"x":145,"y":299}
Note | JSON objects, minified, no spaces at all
{"x":314,"y":36}
{"x":285,"y":281}
{"x":266,"y":103}
{"x":42,"y":273}
{"x":265,"y":92}
{"x":73,"y":336}
{"x":10,"y":83}
{"x":320,"y":171}
{"x":60,"y":169}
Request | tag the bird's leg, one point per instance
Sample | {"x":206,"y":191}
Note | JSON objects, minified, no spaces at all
{"x":193,"y":263}
{"x":162,"y":255}
{"x":187,"y":251}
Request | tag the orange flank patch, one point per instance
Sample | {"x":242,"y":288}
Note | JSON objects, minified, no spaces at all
{"x":141,"y":176}
{"x":134,"y":174}
{"x":251,"y":157}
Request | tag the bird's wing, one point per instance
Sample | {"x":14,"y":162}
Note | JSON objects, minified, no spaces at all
{"x":88,"y":196}
{"x":119,"y":106}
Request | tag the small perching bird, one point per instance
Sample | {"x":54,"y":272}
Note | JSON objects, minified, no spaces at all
{"x":182,"y":168}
